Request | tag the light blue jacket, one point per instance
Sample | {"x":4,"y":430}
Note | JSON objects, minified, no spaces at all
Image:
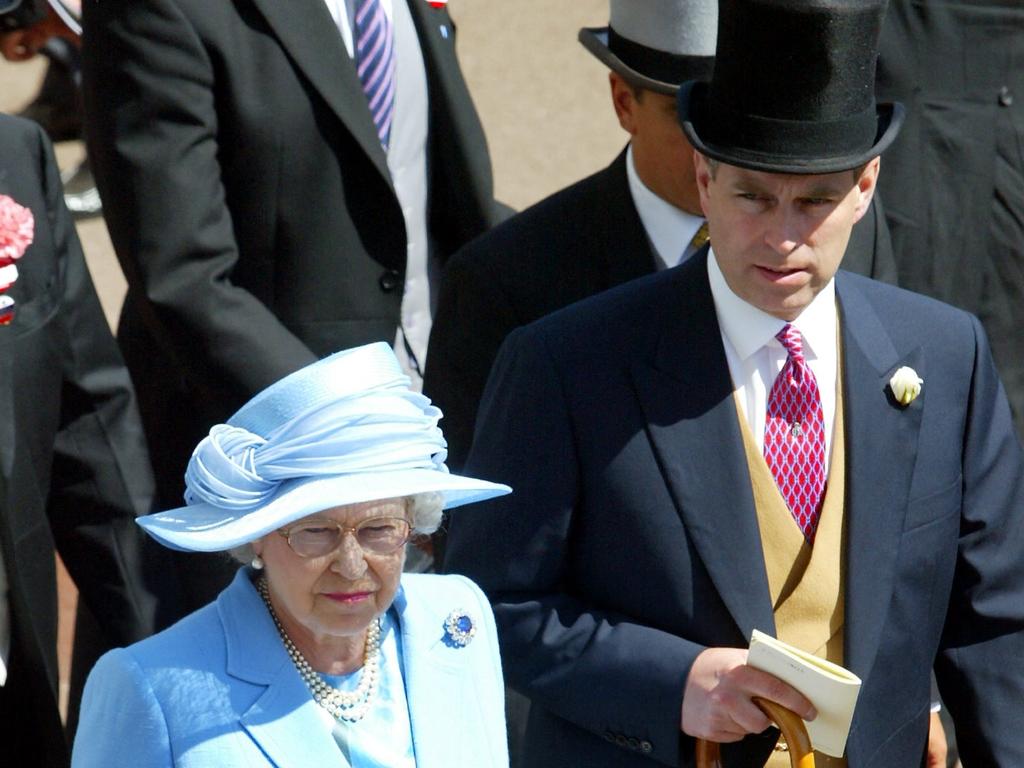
{"x":218,"y":689}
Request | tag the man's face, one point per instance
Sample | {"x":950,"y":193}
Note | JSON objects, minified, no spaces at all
{"x":779,"y":238}
{"x":662,"y":155}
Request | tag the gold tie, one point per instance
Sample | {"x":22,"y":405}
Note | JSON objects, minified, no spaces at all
{"x":700,"y":237}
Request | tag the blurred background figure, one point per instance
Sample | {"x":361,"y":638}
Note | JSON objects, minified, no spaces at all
{"x":52,"y":28}
{"x":954,"y":179}
{"x":73,"y":465}
{"x":280,"y":181}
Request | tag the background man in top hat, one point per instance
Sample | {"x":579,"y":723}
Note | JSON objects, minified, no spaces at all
{"x":742,"y":443}
{"x":638,"y":215}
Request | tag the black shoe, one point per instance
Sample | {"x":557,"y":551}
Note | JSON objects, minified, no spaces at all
{"x":80,"y":193}
{"x":56,"y":107}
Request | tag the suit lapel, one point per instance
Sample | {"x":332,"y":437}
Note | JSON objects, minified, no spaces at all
{"x":881,"y":448}
{"x":433,"y":684}
{"x":311,"y":39}
{"x":685,"y":390}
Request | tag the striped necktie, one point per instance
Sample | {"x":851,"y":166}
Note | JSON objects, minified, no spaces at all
{"x":375,"y":63}
{"x":699,"y":239}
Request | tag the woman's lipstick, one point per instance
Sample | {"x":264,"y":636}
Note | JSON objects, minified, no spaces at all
{"x":348,"y":598}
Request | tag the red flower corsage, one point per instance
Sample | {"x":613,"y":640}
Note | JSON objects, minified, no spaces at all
{"x":17,"y":230}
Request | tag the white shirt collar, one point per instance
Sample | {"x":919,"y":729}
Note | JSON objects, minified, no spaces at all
{"x":669,"y":229}
{"x":749,"y":329}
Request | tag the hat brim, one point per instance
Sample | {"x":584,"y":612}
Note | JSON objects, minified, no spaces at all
{"x":595,"y":40}
{"x":693,"y":117}
{"x":207,"y":528}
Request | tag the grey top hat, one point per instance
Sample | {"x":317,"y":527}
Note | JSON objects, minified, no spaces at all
{"x":657,"y":44}
{"x":70,"y":12}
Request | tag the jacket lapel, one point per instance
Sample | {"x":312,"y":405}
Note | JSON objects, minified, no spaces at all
{"x":693,"y":428}
{"x":881,"y":449}
{"x":311,"y":39}
{"x":284,"y":721}
{"x":434,"y":684}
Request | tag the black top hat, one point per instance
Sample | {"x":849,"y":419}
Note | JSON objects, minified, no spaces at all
{"x":793,"y":87}
{"x":657,"y":44}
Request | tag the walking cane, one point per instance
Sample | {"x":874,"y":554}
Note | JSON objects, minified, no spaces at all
{"x":709,"y":754}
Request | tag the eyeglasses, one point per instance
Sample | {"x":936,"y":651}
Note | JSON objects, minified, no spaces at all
{"x":375,"y":536}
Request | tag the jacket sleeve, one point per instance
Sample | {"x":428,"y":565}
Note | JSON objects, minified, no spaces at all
{"x":472,"y":319}
{"x":595,"y":668}
{"x":150,"y":90}
{"x":979,"y":668}
{"x":100,"y":479}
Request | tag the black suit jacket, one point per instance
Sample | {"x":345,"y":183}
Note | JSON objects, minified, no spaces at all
{"x":953,"y":180}
{"x":630,"y":541}
{"x":578,"y":242}
{"x":248,"y":197}
{"x":73,"y":462}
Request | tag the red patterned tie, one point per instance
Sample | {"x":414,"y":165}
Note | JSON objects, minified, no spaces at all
{"x":794,"y":435}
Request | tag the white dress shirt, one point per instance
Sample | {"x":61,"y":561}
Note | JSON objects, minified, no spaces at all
{"x":756,"y":357}
{"x":669,"y":229}
{"x":407,"y":163}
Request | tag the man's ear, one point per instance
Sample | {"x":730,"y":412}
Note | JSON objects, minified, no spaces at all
{"x":624,"y":102}
{"x":866,"y":184}
{"x":702,"y":173}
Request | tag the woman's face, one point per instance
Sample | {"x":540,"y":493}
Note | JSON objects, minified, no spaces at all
{"x":332,"y":598}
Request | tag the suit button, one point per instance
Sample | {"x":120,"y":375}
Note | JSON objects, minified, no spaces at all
{"x":1005,"y":96}
{"x":634,"y":743}
{"x":621,"y":740}
{"x":609,"y":736}
{"x":646,"y":747}
{"x":390,"y":280}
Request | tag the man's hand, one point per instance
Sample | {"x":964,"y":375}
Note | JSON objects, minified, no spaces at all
{"x":717,"y":702}
{"x":936,"y":743}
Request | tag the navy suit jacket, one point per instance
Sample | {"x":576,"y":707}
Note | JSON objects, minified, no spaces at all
{"x":631,"y":541}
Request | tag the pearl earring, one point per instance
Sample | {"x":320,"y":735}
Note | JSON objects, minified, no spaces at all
{"x":257,"y":563}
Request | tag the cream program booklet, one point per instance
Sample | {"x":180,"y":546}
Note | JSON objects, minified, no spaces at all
{"x":832,"y":689}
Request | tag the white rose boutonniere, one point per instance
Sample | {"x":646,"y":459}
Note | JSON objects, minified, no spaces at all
{"x":905,"y":385}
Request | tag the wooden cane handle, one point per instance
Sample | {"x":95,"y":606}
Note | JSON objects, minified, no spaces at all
{"x":709,"y":753}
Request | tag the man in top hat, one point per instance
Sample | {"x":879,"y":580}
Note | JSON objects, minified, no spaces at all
{"x":757,"y":441}
{"x":640,"y":214}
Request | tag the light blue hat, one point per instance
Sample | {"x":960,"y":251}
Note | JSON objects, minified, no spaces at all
{"x":344,"y":430}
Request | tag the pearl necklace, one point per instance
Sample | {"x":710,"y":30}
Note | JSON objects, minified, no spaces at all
{"x":349,"y":707}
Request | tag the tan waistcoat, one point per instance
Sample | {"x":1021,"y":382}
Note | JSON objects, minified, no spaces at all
{"x":806,"y":583}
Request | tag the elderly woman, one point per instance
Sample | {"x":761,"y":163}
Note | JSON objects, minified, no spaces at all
{"x":320,"y":652}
